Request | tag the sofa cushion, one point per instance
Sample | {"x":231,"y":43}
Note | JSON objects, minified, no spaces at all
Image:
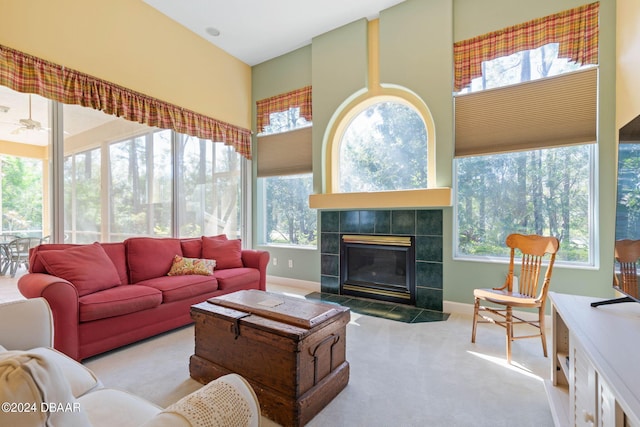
{"x":177,"y":288}
{"x":191,"y":248}
{"x":227,"y":253}
{"x":118,"y":301}
{"x":31,"y":381}
{"x":237,"y":277}
{"x":183,"y":266}
{"x":88,"y":267}
{"x":116,"y":251}
{"x":150,"y":257}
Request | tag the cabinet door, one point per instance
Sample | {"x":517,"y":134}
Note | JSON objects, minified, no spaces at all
{"x":584,"y":388}
{"x":609,"y":414}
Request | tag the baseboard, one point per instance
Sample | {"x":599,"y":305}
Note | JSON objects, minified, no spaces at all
{"x":457,"y":307}
{"x":306,"y":285}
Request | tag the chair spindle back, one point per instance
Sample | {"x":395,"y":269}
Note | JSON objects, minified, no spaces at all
{"x":534,"y":248}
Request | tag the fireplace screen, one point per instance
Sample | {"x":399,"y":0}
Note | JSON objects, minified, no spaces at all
{"x":380,"y":267}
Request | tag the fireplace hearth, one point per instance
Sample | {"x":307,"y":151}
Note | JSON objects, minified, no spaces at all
{"x":378,"y":267}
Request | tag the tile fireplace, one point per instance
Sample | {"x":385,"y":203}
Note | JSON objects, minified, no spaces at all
{"x":423,"y":228}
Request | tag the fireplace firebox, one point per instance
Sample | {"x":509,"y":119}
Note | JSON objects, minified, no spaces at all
{"x":378,"y":267}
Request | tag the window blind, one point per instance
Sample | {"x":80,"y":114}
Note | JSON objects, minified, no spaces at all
{"x":550,"y":112}
{"x":285,"y":153}
{"x":630,"y":133}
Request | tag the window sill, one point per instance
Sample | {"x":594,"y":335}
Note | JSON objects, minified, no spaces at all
{"x":423,"y":198}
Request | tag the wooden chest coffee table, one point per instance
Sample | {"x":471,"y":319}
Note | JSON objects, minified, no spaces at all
{"x":292,"y":351}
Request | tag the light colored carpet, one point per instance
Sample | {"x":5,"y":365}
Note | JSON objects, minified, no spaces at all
{"x":425,"y":374}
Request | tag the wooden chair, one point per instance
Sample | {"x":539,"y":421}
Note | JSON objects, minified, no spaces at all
{"x":529,"y":294}
{"x":627,"y":253}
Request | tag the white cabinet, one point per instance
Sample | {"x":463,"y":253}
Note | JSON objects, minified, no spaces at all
{"x":583,"y":391}
{"x":595,"y":375}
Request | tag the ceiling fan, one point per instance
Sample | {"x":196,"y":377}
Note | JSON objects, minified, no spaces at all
{"x":29,"y":123}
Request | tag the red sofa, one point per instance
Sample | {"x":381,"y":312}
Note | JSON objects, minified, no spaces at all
{"x":106,"y":295}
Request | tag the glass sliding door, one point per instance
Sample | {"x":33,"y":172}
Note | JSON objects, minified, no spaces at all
{"x":118,"y":178}
{"x":140,"y":183}
{"x":111,"y":169}
{"x":208,"y":178}
{"x":82,"y":203}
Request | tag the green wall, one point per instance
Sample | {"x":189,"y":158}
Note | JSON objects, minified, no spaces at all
{"x":416,"y":39}
{"x":280,"y":75}
{"x":416,"y":52}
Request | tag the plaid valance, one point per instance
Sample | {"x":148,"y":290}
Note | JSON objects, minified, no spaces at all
{"x":283,"y":102}
{"x":576,"y":31}
{"x":29,"y":74}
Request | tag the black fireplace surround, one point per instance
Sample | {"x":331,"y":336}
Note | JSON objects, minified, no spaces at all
{"x":423,"y":226}
{"x":378,"y":267}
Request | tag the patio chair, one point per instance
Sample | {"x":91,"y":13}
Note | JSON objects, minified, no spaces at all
{"x":18,"y":253}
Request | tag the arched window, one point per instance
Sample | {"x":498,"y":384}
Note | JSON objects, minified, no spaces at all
{"x":383,"y":146}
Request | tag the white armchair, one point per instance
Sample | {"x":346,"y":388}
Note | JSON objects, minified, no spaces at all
{"x":40,"y":386}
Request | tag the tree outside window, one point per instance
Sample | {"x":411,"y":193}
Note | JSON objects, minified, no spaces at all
{"x":543,"y":192}
{"x":384,"y":148}
{"x":288,"y":219}
{"x":21,"y":195}
{"x":628,"y":194}
{"x":523,"y":66}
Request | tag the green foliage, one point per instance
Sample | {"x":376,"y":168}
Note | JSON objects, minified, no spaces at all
{"x":628,"y":192}
{"x":21,"y":194}
{"x":82,"y":175}
{"x":288,"y":219}
{"x":522,"y":66}
{"x":535,"y":192}
{"x":383,"y":149}
{"x":140,"y":181}
{"x":140,"y":185}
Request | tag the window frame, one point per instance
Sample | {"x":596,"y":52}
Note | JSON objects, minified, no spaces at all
{"x":593,"y":262}
{"x":351,"y":108}
{"x":300,"y":170}
{"x":106,"y":233}
{"x":361,"y":109}
{"x":262,"y":218}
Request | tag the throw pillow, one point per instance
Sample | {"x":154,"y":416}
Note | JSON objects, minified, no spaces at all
{"x":227,"y":253}
{"x":88,"y":267}
{"x":184,"y":266}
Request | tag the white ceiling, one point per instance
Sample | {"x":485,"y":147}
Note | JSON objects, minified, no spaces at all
{"x":257,"y":30}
